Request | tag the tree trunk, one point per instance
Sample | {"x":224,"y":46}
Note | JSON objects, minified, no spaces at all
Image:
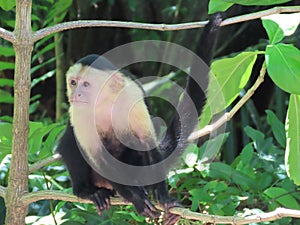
{"x":18,"y":175}
{"x":60,"y":70}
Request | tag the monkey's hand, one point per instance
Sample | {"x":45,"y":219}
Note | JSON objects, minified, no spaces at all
{"x":101,"y":199}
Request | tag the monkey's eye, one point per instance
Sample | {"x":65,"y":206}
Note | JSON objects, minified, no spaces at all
{"x":86,"y":84}
{"x":73,"y":82}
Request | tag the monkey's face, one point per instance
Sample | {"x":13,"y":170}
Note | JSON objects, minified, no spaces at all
{"x":88,"y":86}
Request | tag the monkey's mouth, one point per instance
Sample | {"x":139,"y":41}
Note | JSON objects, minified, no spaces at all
{"x":78,"y":102}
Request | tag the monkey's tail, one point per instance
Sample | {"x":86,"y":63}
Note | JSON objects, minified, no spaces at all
{"x":184,"y":122}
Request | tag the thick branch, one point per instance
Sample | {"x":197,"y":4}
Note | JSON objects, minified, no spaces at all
{"x":227,"y":116}
{"x":184,"y":213}
{"x":7,"y":35}
{"x":161,"y":27}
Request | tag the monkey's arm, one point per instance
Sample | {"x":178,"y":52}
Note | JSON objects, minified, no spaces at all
{"x":81,"y":172}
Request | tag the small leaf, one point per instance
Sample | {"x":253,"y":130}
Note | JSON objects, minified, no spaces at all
{"x":275,"y":33}
{"x":255,"y":135}
{"x":277,"y":127}
{"x":288,"y":23}
{"x":247,"y":154}
{"x":283,"y":67}
{"x":190,"y":155}
{"x":292,"y":153}
{"x":218,"y":6}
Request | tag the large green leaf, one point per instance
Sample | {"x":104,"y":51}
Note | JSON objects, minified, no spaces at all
{"x":229,"y":77}
{"x":283,"y":197}
{"x":283,"y":65}
{"x":275,"y":33}
{"x":256,"y":2}
{"x":7,"y":4}
{"x":292,"y":154}
{"x":232,"y":75}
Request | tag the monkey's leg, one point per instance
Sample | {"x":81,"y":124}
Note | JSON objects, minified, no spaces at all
{"x":138,"y":197}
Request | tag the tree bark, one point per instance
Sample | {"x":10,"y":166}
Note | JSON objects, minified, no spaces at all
{"x":18,"y":175}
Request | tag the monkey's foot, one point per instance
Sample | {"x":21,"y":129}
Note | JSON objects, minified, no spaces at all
{"x":170,"y":218}
{"x":101,"y":199}
{"x":148,"y":209}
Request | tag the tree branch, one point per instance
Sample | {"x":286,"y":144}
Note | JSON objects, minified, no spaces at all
{"x":35,"y":166}
{"x":161,"y":27}
{"x":184,"y":213}
{"x":227,"y":116}
{"x":260,"y":14}
{"x":7,"y":35}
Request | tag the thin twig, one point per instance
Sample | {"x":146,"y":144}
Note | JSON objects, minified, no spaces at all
{"x":227,"y":116}
{"x":161,"y":27}
{"x":35,"y":166}
{"x":184,"y":213}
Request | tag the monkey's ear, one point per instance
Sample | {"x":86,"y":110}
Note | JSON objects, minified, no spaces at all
{"x":117,"y":81}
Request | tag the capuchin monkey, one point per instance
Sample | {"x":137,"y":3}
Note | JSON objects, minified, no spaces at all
{"x":96,"y":90}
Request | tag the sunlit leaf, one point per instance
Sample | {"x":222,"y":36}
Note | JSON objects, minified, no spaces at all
{"x":275,"y":33}
{"x":288,"y":23}
{"x":7,"y":4}
{"x":218,"y":6}
{"x":292,"y":154}
{"x":283,"y":67}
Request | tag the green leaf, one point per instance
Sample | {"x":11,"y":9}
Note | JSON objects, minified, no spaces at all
{"x":7,"y":4}
{"x":190,"y":155}
{"x":282,"y":196}
{"x":292,"y":153}
{"x":5,"y":139}
{"x":212,"y":147}
{"x":220,"y":170}
{"x":6,"y":82}
{"x":247,"y":154}
{"x":6,"y":65}
{"x":255,"y":135}
{"x":257,"y":2}
{"x":6,"y":97}
{"x":233,"y":74}
{"x":229,"y":76}
{"x":283,"y":67}
{"x":218,"y":6}
{"x":7,"y":51}
{"x":58,"y":11}
{"x":288,"y":23}
{"x":275,"y":33}
{"x":42,"y":78}
{"x":277,"y":127}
